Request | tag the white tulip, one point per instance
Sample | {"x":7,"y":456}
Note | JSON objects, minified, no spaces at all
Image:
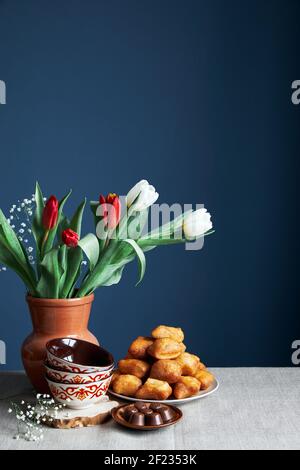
{"x":197,"y":223}
{"x":141,"y":196}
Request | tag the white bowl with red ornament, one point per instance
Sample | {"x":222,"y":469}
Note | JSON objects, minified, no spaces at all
{"x":79,"y":396}
{"x":65,"y":377}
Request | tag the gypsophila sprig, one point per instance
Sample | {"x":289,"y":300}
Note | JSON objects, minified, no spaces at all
{"x":32,"y":417}
{"x":20,"y":220}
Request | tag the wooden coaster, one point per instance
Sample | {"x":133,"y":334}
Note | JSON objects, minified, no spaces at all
{"x":67,"y":418}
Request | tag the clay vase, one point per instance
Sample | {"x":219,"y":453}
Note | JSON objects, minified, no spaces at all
{"x":53,"y":318}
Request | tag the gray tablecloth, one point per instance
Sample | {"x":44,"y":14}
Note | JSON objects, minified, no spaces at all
{"x":253,"y":409}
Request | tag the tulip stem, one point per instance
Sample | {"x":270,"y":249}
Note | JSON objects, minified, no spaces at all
{"x":44,"y":243}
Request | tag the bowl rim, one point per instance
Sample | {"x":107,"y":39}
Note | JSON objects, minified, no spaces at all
{"x":77,"y":385}
{"x":47,"y":365}
{"x":75,"y":364}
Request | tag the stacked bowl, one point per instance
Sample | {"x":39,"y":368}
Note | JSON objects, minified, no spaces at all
{"x":78,"y":373}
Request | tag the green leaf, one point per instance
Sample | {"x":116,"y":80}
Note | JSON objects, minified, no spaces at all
{"x":74,"y":259}
{"x":144,"y":243}
{"x":51,"y":273}
{"x":140,"y":256}
{"x":37,"y":226}
{"x":52,"y":233}
{"x":94,"y":207}
{"x":90,"y":246}
{"x":168,"y":229}
{"x":76,"y":221}
{"x":62,"y":259}
{"x":12,"y":239}
{"x":8,"y":259}
{"x":136,"y":224}
{"x":115,"y":277}
{"x":16,"y":254}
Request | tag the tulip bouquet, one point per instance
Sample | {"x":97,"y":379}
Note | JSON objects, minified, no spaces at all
{"x":63,"y":264}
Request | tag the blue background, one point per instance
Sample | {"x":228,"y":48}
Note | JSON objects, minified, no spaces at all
{"x":196,"y":97}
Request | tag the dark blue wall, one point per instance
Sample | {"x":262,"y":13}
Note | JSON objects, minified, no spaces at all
{"x":196,"y":97}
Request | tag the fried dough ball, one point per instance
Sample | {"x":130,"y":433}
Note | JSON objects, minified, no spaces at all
{"x":154,"y":390}
{"x":138,"y":348}
{"x":167,"y":370}
{"x":186,"y":387}
{"x":189,"y":363}
{"x":166,"y":348}
{"x":163,"y":331}
{"x":115,"y":375}
{"x":126,"y":385}
{"x":134,"y":367}
{"x":206,"y":378}
{"x":201,"y":366}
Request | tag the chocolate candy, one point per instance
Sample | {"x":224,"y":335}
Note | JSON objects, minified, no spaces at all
{"x":129,"y":411}
{"x":138,"y":419}
{"x":141,"y":406}
{"x":146,"y":414}
{"x":155,"y":419}
{"x":166,"y":413}
{"x":156,"y":406}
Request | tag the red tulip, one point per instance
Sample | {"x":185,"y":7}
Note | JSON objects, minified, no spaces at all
{"x":111,"y":209}
{"x":50,"y":213}
{"x":70,"y":238}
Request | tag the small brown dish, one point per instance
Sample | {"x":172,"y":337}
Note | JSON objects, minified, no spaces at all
{"x":133,"y":418}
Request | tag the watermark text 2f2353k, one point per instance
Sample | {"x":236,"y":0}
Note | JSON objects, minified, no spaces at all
{"x":2,"y":353}
{"x":2,"y":92}
{"x":296,"y":353}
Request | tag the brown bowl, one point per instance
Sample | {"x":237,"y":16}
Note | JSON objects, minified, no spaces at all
{"x":78,"y":356}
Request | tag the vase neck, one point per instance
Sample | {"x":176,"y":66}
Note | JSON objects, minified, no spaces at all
{"x":60,"y":321}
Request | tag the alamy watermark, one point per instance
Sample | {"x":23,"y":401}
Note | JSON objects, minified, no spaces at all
{"x":159,"y":222}
{"x":2,"y":353}
{"x":296,"y":353}
{"x":2,"y":92}
{"x":296,"y":92}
